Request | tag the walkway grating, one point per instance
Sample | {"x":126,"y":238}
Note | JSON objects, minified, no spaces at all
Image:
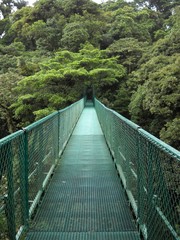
{"x":85,"y":200}
{"x":85,"y":236}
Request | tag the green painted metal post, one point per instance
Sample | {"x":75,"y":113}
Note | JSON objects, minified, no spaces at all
{"x":9,"y":199}
{"x":139,"y":170}
{"x":59,"y":139}
{"x":41,"y":157}
{"x":58,"y":136}
{"x":24,"y":182}
{"x":141,"y":186}
{"x":149,"y":191}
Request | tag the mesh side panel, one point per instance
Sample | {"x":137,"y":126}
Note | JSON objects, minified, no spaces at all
{"x":150,"y":172}
{"x":67,"y":120}
{"x":12,"y":185}
{"x":42,"y":153}
{"x":159,"y":191}
{"x":124,"y":143}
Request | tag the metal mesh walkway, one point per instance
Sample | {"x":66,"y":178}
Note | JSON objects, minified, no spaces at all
{"x":85,"y":200}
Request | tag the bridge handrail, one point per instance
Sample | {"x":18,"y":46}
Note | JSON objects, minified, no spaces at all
{"x":27,"y":161}
{"x":150,"y":173}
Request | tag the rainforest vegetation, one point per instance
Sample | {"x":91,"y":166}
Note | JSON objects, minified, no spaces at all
{"x":128,"y":51}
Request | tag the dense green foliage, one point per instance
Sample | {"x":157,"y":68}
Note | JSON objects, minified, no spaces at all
{"x":129,"y":52}
{"x":62,"y":79}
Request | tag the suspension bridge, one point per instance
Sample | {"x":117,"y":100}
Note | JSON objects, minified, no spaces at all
{"x":87,"y":173}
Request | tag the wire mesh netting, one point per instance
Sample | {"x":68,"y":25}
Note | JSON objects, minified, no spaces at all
{"x":159,"y":188}
{"x":67,"y":120}
{"x":42,"y":149}
{"x":150,"y":172}
{"x":12,"y":185}
{"x":27,"y":160}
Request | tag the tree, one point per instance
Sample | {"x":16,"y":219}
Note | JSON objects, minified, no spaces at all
{"x":62,"y":80}
{"x":7,"y":97}
{"x":129,"y":52}
{"x":113,"y":5}
{"x":122,"y":100}
{"x":127,"y":22}
{"x":163,"y":6}
{"x":9,"y":56}
{"x":170,"y":133}
{"x":6,"y":6}
{"x":157,"y":99}
{"x":20,"y":3}
{"x":74,"y":34}
{"x":72,"y":7}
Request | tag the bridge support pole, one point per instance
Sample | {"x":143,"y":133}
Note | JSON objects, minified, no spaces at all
{"x":23,"y":158}
{"x":9,"y":199}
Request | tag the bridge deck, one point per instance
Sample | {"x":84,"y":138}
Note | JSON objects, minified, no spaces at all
{"x":85,"y":199}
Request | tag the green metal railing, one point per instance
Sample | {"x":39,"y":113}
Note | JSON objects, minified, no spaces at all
{"x":150,"y":173}
{"x":27,"y":161}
